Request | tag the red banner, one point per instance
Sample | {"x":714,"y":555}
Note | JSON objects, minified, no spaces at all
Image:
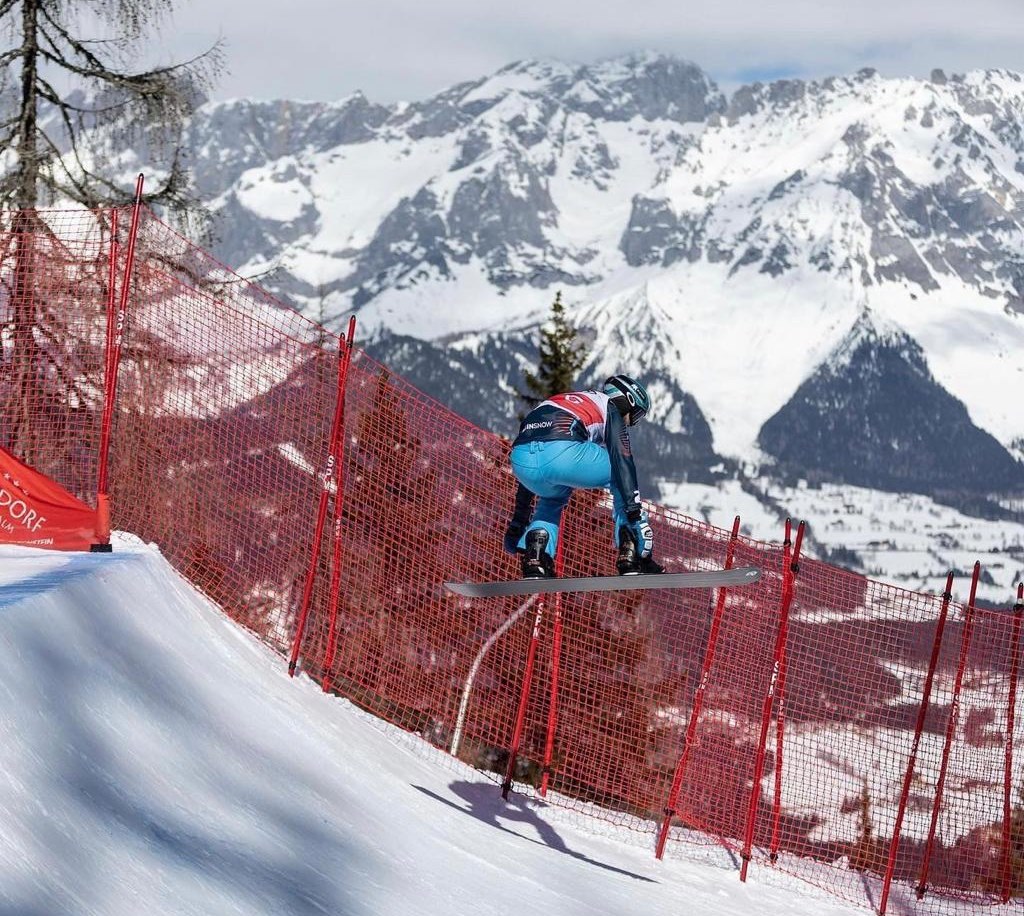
{"x":37,"y":512}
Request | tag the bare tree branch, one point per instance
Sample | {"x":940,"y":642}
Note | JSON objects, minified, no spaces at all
{"x":66,"y":148}
{"x":126,"y":104}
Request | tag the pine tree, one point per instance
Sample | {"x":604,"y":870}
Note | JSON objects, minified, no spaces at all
{"x":561,"y":358}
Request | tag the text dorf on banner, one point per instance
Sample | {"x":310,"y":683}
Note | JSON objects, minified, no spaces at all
{"x":36,"y":512}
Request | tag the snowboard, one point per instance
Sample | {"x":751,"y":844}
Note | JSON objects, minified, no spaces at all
{"x":712,"y":578}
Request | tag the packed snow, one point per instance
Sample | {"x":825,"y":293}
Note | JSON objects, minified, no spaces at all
{"x":158,"y":759}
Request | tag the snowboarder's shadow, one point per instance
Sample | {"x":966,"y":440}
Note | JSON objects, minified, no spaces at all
{"x":486,"y":804}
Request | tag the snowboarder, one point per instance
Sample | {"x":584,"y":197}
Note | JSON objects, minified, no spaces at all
{"x":579,"y":440}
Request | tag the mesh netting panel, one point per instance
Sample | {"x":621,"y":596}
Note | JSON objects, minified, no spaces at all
{"x":220,"y":443}
{"x":54,"y":285}
{"x":857,"y":656}
{"x":224,"y":411}
{"x":423,"y":493}
{"x":967,"y":840}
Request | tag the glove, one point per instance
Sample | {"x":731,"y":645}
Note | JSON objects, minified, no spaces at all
{"x":513,"y":533}
{"x":643,"y":535}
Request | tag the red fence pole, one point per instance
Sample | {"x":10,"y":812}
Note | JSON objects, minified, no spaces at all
{"x":115,"y":250}
{"x":338,"y":448}
{"x":894,"y":845}
{"x":556,"y":658}
{"x":112,"y":362}
{"x":780,"y":716}
{"x":766,"y":711}
{"x":698,"y":701}
{"x":327,"y":478}
{"x":524,"y":698}
{"x":1011,"y":708}
{"x":951,"y":723}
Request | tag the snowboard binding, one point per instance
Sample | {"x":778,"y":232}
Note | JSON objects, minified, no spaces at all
{"x":629,"y":561}
{"x":537,"y":562}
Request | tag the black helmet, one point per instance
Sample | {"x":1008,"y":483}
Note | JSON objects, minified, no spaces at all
{"x":629,"y":396}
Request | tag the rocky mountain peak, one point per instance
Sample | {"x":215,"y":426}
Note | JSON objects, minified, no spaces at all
{"x":873,"y":415}
{"x":648,"y":85}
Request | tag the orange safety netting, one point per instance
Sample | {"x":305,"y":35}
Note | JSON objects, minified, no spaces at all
{"x":220,"y":453}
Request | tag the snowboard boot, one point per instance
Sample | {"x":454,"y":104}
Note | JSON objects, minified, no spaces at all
{"x":629,"y":561}
{"x":537,"y":562}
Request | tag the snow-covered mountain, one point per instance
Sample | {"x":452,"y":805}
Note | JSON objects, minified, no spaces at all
{"x":757,"y":257}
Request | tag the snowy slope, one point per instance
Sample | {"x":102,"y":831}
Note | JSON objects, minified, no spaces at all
{"x":814,"y":202}
{"x":157,"y":759}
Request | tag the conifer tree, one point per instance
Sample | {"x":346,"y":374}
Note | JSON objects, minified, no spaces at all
{"x":561,"y":358}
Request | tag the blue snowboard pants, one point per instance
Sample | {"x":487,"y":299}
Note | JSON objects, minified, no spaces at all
{"x":553,"y":470}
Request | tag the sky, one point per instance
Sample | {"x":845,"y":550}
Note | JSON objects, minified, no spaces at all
{"x":394,"y":50}
{"x":159,"y":760}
